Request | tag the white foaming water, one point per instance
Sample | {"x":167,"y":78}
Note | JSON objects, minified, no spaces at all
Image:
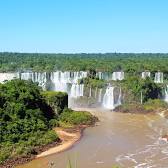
{"x":77,"y":90}
{"x":150,"y":155}
{"x":145,"y":74}
{"x":100,"y":96}
{"x":90,"y":92}
{"x":166,"y":94}
{"x":41,"y":78}
{"x":8,"y":76}
{"x":118,"y":76}
{"x":119,"y":98}
{"x":62,"y":79}
{"x":99,"y":75}
{"x":96,"y":92}
{"x":158,"y":77}
{"x":109,"y":101}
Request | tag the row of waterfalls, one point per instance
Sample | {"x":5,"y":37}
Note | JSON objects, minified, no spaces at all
{"x":109,"y":97}
{"x":72,"y":77}
{"x":158,"y":76}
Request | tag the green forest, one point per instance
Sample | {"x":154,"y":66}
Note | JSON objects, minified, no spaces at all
{"x":27,"y":116}
{"x":128,"y":62}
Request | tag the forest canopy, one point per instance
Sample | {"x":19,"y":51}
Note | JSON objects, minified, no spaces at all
{"x":128,"y":62}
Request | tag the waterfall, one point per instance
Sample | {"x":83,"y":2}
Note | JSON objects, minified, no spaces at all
{"x":27,"y":76}
{"x":166,"y":94}
{"x":96,"y":93}
{"x":77,"y":90}
{"x":8,"y":76}
{"x":141,"y":98}
{"x":158,"y":77}
{"x":118,"y":76}
{"x":60,"y":80}
{"x":90,"y":92}
{"x":99,"y":75}
{"x":145,"y":74}
{"x":108,"y":99}
{"x":104,"y":75}
{"x":100,"y":96}
{"x":39,"y":77}
{"x":119,"y":98}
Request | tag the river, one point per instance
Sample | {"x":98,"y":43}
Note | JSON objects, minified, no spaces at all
{"x":126,"y":140}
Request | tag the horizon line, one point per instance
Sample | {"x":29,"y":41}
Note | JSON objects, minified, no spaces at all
{"x":73,"y":53}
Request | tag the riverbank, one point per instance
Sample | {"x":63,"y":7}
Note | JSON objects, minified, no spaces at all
{"x":116,"y":140}
{"x":12,"y":162}
{"x":68,"y":137}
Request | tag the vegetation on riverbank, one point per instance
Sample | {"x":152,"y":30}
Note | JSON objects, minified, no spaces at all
{"x":93,"y":82}
{"x":27,"y":116}
{"x":71,"y":117}
{"x":151,"y":106}
{"x":140,"y":90}
{"x":141,"y":96}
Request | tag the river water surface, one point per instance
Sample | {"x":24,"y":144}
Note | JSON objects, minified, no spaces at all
{"x":126,"y":140}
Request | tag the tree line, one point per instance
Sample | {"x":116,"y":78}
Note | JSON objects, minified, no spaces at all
{"x":109,"y":62}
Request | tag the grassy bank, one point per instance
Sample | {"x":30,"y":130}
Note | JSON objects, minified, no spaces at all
{"x":151,"y":106}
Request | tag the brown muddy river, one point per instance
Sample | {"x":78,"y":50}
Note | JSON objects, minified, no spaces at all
{"x":126,"y":140}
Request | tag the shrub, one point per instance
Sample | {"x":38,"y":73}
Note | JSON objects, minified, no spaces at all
{"x":76,"y":118}
{"x":154,"y":104}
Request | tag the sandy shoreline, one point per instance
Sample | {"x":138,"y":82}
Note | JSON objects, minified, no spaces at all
{"x":68,"y":139}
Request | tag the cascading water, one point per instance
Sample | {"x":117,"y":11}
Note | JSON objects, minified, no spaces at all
{"x":104,"y":75}
{"x":118,"y":76}
{"x":108,"y":99}
{"x":145,"y":74}
{"x":158,"y":77}
{"x":100,"y":96}
{"x":8,"y":76}
{"x":119,"y":98}
{"x":141,"y":98}
{"x":166,"y":94}
{"x":99,"y":75}
{"x":77,"y":90}
{"x":60,"y":81}
{"x":41,"y":78}
{"x":27,"y":76}
{"x":90,"y":92}
{"x":96,"y":93}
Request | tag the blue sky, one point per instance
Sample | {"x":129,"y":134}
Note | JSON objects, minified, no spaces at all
{"x":75,"y":26}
